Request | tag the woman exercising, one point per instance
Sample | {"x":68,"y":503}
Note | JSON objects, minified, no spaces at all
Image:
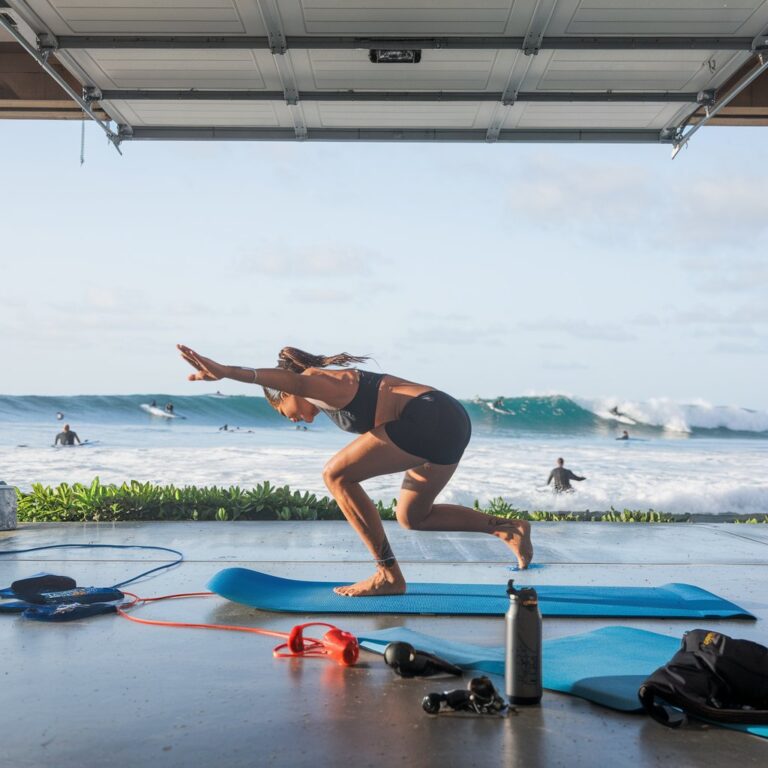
{"x":402,"y":427}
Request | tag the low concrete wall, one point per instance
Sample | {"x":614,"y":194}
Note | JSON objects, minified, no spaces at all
{"x":7,"y":507}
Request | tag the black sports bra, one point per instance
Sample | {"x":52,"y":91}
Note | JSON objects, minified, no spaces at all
{"x":359,"y":415}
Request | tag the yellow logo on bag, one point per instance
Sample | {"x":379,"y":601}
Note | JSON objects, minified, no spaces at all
{"x":709,"y":638}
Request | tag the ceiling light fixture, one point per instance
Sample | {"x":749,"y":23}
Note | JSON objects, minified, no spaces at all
{"x":394,"y":56}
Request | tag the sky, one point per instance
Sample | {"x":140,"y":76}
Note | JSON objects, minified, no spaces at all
{"x":500,"y":269}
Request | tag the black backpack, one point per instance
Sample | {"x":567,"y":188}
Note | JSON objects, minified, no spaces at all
{"x":712,"y":676}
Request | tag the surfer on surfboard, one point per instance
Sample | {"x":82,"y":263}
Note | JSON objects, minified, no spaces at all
{"x":401,"y":426}
{"x":67,"y":437}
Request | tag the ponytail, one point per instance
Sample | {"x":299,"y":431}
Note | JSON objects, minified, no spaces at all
{"x":296,"y":360}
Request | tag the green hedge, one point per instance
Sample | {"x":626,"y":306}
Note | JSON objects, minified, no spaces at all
{"x":145,"y":501}
{"x":137,"y":501}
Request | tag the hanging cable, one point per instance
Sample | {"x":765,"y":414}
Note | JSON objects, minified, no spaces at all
{"x":9,"y":25}
{"x":82,"y":141}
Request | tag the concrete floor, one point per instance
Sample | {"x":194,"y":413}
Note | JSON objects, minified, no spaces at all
{"x":108,"y":691}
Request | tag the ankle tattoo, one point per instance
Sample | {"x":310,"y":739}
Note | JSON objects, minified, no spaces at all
{"x":384,"y":555}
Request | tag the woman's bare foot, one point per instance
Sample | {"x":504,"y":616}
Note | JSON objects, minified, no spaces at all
{"x":386,"y":581}
{"x":516,"y":534}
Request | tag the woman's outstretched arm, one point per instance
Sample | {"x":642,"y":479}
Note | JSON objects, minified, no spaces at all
{"x":323,"y":387}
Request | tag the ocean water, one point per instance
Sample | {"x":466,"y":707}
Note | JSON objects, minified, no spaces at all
{"x":681,"y":458}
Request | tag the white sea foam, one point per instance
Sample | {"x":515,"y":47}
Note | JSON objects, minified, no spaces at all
{"x":697,"y":476}
{"x":676,"y":417}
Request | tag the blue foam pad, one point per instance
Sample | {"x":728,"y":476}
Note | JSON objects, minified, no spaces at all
{"x":606,"y":666}
{"x":271,"y":593}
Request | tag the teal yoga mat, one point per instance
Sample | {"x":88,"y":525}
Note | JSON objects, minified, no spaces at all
{"x":271,"y":593}
{"x":606,"y":666}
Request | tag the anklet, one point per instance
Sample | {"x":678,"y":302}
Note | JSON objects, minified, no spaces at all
{"x":386,"y":556}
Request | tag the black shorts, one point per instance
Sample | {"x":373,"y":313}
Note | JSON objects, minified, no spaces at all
{"x":433,"y":426}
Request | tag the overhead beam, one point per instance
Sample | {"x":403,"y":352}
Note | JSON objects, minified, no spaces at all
{"x":540,"y":18}
{"x":42,"y":58}
{"x":184,"y":133}
{"x":733,"y":119}
{"x":400,"y":96}
{"x":748,"y":107}
{"x":270,"y":15}
{"x":16,"y":112}
{"x":534,"y":35}
{"x":280,"y":44}
{"x":25,"y":89}
{"x":760,"y":66}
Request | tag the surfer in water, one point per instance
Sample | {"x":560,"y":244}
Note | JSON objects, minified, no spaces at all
{"x":401,"y":426}
{"x":67,"y":437}
{"x":562,"y":477}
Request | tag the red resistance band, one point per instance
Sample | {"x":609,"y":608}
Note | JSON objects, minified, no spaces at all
{"x":335,"y":644}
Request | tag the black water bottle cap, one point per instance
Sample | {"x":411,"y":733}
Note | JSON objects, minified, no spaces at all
{"x":526,"y":595}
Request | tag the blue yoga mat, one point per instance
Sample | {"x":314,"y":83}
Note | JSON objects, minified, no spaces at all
{"x":606,"y":666}
{"x":271,"y":593}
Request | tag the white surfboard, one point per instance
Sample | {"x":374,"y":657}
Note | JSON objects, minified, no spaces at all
{"x":498,"y":409}
{"x":620,"y":417}
{"x":154,"y":410}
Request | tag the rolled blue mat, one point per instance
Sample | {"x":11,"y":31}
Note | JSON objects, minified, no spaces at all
{"x":606,"y":666}
{"x":271,"y":593}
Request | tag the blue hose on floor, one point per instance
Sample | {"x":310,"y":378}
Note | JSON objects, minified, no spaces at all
{"x":107,"y":546}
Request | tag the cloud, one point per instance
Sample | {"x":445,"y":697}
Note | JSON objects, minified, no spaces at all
{"x":741,"y":348}
{"x":323,"y":295}
{"x":555,"y":366}
{"x":101,"y":299}
{"x":731,"y":273}
{"x":729,"y":332}
{"x":714,"y":200}
{"x":325,"y":261}
{"x":582,"y":193}
{"x":639,"y":206}
{"x":453,"y":329}
{"x":455,"y":334}
{"x":102,"y":302}
{"x":119,"y":316}
{"x":745,"y":321}
{"x":748,"y":314}
{"x":648,"y":319}
{"x":582,"y":330}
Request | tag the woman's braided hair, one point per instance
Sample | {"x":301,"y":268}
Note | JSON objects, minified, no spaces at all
{"x":297,"y":360}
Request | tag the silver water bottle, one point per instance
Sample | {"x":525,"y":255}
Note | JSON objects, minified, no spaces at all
{"x":522,"y":663}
